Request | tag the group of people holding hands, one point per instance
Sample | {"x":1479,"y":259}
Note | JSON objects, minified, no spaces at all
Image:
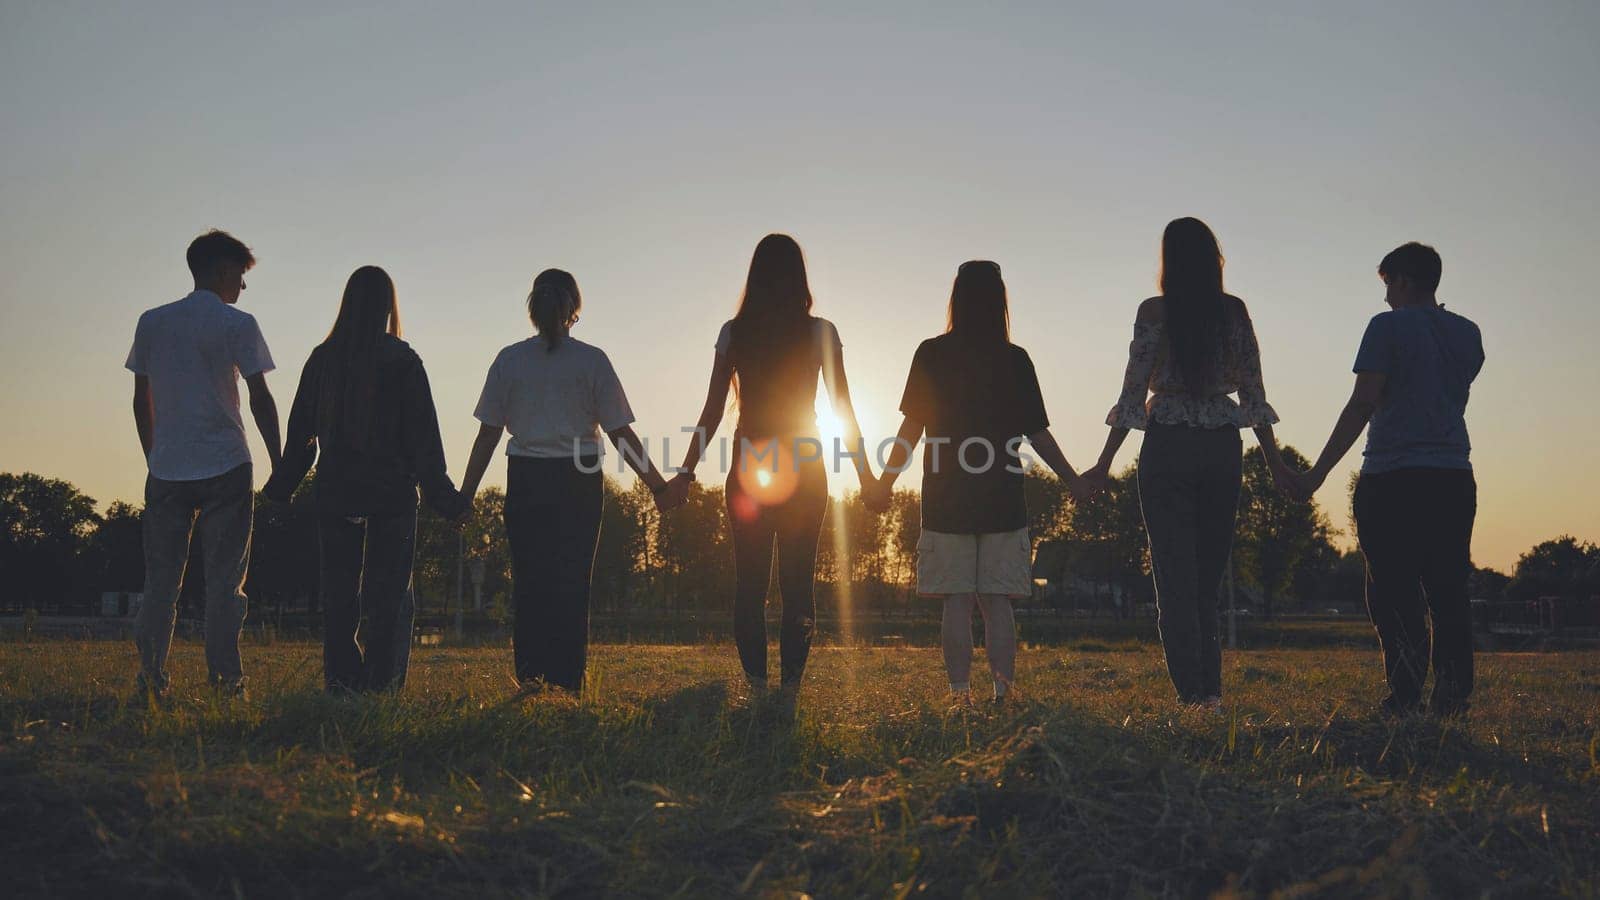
{"x":364,"y":415}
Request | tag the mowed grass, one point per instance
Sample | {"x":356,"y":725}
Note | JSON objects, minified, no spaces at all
{"x":663,"y":781}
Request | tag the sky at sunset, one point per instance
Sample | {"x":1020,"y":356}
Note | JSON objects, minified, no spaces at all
{"x":647,"y":148}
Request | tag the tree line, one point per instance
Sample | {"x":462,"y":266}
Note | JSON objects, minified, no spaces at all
{"x":59,"y":554}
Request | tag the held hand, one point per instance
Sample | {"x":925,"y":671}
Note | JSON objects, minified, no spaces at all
{"x":875,"y":495}
{"x":1307,"y":483}
{"x":1091,"y":483}
{"x":676,"y":493}
{"x":1285,"y":480}
{"x":463,"y":515}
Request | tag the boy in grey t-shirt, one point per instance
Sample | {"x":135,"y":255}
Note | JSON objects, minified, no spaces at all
{"x":1415,"y":500}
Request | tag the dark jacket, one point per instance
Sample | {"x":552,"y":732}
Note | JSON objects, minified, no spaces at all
{"x":404,"y":449}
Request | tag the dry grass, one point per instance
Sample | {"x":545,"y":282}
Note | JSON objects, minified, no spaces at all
{"x":662,"y":782}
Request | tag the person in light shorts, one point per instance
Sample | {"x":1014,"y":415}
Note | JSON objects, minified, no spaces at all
{"x":976,"y":397}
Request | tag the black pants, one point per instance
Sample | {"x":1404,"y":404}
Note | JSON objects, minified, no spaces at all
{"x":792,"y":525}
{"x":366,"y":572}
{"x":1189,"y":494}
{"x":1415,"y":530}
{"x":553,"y":525}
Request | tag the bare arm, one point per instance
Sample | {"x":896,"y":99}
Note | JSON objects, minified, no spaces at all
{"x":482,"y":451}
{"x":711,"y":413}
{"x":265,"y":411}
{"x":1049,"y":451}
{"x":906,"y":440}
{"x":839,"y":395}
{"x":1364,"y":399}
{"x":144,"y":412}
{"x":637,"y":458}
{"x":1108,"y":453}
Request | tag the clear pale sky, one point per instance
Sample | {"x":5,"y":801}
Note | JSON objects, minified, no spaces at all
{"x":647,"y":149}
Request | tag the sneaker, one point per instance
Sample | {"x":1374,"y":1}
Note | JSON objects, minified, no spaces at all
{"x":152,"y":694}
{"x":1391,"y":709}
{"x":231,"y":688}
{"x":1212,"y":704}
{"x":755,"y":688}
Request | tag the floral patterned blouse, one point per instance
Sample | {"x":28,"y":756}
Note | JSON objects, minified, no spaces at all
{"x":1152,"y":370}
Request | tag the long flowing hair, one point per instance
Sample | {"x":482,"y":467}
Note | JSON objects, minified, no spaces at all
{"x":1196,"y":308}
{"x":348,"y":384}
{"x":553,"y":305}
{"x":978,"y":312}
{"x":772,"y":327}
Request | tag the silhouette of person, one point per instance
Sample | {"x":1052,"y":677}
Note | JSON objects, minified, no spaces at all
{"x":1192,"y":347}
{"x":976,"y":396}
{"x":555,"y":394}
{"x":187,"y":359}
{"x":364,"y":414}
{"x":1416,"y":498}
{"x":771,"y":353}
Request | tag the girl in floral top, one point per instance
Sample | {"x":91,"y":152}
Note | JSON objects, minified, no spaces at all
{"x":1192,"y":347}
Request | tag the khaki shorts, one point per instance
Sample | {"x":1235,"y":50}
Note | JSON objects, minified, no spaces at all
{"x":998,"y":563}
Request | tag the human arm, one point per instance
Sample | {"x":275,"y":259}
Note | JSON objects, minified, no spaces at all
{"x":144,"y":413}
{"x":1044,"y":443}
{"x":483,"y":448}
{"x":425,"y":446}
{"x":1129,"y":412}
{"x":300,"y":450}
{"x":838,"y":387}
{"x":1358,"y":410}
{"x":264,"y":410}
{"x":877,"y":496}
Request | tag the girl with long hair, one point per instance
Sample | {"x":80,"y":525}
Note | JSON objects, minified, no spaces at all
{"x":771,"y":353}
{"x":556,"y":395}
{"x":364,"y":414}
{"x":1192,"y":347}
{"x":976,"y":397}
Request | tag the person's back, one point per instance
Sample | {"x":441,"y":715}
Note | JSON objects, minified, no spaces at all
{"x":1416,"y":500}
{"x":1430,"y":357}
{"x":401,"y":448}
{"x":554,"y":400}
{"x":986,"y":393}
{"x":193,"y":351}
{"x":187,"y":359}
{"x":778,"y":378}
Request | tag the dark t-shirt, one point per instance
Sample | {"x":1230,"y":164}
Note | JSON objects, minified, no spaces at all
{"x":961,"y":391}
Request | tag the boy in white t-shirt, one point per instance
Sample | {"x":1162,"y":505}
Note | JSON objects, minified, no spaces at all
{"x":186,"y":360}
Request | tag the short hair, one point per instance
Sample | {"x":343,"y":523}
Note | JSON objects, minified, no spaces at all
{"x":1418,"y":262}
{"x":216,"y":247}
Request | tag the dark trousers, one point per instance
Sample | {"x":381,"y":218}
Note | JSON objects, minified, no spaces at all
{"x":1189,"y":494}
{"x":553,"y":525}
{"x":366,"y":573}
{"x":1415,"y":530}
{"x":221,"y":507}
{"x":791,"y":526}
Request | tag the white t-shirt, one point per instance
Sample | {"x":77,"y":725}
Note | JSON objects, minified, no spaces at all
{"x":555,"y":402}
{"x":194,"y":351}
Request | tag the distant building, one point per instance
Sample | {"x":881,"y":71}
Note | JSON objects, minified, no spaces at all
{"x":120,"y":604}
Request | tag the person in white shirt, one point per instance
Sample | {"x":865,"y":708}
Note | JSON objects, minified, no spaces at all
{"x":186,"y":360}
{"x":555,"y":394}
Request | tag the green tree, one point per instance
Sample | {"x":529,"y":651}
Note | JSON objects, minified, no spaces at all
{"x":1564,"y":566}
{"x":1275,"y":532}
{"x":44,"y":523}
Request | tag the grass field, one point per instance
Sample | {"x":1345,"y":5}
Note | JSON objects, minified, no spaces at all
{"x":663,"y":781}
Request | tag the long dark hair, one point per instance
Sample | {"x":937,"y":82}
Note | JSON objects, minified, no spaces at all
{"x":773,"y":321}
{"x":978,"y":310}
{"x":1196,"y":307}
{"x":349,"y":377}
{"x":553,"y":305}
